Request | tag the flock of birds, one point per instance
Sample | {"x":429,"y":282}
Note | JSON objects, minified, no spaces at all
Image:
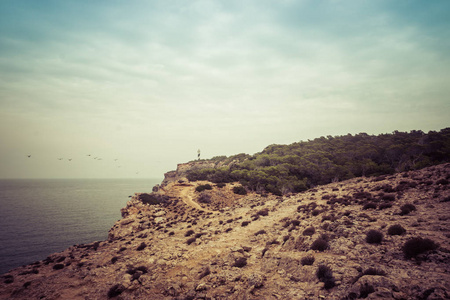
{"x":89,"y":155}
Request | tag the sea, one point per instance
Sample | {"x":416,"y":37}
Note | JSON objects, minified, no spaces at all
{"x":41,"y":216}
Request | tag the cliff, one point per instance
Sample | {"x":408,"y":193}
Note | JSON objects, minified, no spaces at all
{"x":375,"y":237}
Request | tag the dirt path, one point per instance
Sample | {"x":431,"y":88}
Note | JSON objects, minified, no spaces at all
{"x":186,"y":193}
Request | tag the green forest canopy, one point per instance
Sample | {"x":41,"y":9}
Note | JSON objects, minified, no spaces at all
{"x":282,"y":169}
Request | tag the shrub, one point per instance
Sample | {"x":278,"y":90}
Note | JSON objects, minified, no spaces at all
{"x":370,"y":205}
{"x":320,"y":244}
{"x":374,"y":237}
{"x":396,"y":230}
{"x":365,"y":290}
{"x":204,"y":198}
{"x":240,"y":262}
{"x":58,"y":267}
{"x":262,"y":231}
{"x":374,"y":272}
{"x":191,"y":240}
{"x":309,"y":231}
{"x":151,"y":199}
{"x":220,"y":185}
{"x":442,"y":181}
{"x":388,"y":197}
{"x":245,"y":223}
{"x":325,"y":275}
{"x":406,"y":209}
{"x":203,"y":187}
{"x":307,"y":260}
{"x":240,"y":190}
{"x":263,"y":212}
{"x":116,"y":290}
{"x":141,"y":246}
{"x":384,"y":206}
{"x":189,"y":233}
{"x":205,"y":272}
{"x":418,"y":245}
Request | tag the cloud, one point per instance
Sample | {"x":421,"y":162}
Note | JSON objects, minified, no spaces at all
{"x":233,"y":76}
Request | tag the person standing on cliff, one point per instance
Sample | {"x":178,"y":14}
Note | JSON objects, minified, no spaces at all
{"x":198,"y":154}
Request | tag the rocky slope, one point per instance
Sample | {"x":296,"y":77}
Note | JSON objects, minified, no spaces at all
{"x":333,"y":242}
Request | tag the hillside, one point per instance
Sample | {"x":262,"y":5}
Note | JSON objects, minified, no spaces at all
{"x":367,"y":237}
{"x":284,"y":169}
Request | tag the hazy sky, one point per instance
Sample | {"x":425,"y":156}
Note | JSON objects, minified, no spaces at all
{"x":150,"y":82}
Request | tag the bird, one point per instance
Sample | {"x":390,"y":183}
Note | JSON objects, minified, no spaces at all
{"x":69,"y":159}
{"x":59,"y":158}
{"x":29,"y":156}
{"x":88,"y":155}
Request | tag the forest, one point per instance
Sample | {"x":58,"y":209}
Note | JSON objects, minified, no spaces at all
{"x":283,"y":169}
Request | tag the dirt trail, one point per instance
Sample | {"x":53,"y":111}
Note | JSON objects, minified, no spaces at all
{"x":186,"y":193}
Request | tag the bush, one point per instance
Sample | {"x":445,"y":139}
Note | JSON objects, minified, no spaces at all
{"x":307,"y":260}
{"x":203,"y":187}
{"x":141,"y":246}
{"x":191,"y":240}
{"x":320,"y":244}
{"x":406,"y":209}
{"x":220,"y":185}
{"x":374,"y":272}
{"x":325,"y":275}
{"x":240,"y":190}
{"x":396,"y":230}
{"x":189,"y":232}
{"x":388,"y":197}
{"x":58,"y":267}
{"x":116,"y":290}
{"x":384,"y":206}
{"x":418,"y":245}
{"x":309,"y":231}
{"x":204,"y":198}
{"x":240,"y":262}
{"x":374,"y":237}
{"x":245,"y":223}
{"x":262,"y":231}
{"x":370,"y":205}
{"x":263,"y":212}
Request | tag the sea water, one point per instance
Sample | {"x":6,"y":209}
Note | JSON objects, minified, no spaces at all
{"x":41,"y":216}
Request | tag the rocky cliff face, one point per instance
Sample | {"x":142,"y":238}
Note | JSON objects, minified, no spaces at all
{"x":371,"y":238}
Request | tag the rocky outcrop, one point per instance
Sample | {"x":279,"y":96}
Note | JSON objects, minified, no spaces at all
{"x":345,"y":240}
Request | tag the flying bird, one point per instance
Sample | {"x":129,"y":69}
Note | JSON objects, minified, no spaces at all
{"x":59,"y":158}
{"x":69,"y":159}
{"x":29,"y":156}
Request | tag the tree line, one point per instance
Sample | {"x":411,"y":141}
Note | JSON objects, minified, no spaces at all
{"x":282,"y":169}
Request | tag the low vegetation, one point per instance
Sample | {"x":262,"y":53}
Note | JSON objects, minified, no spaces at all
{"x":283,"y":169}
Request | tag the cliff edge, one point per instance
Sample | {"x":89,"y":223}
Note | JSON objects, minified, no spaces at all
{"x":375,"y":237}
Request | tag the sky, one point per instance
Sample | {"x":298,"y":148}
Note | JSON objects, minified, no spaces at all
{"x":129,"y":89}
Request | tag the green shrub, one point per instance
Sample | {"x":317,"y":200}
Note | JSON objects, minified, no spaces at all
{"x":191,"y":240}
{"x":418,"y":245}
{"x":203,"y":187}
{"x":189,"y":233}
{"x":374,"y":237}
{"x":396,"y":230}
{"x":320,"y":244}
{"x":307,"y":260}
{"x":116,"y":290}
{"x":204,"y":198}
{"x":239,"y":190}
{"x":406,"y":209}
{"x":240,"y":262}
{"x":325,"y":275}
{"x":370,"y":205}
{"x":309,"y":231}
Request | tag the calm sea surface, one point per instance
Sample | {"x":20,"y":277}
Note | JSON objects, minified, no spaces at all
{"x":42,"y":216}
